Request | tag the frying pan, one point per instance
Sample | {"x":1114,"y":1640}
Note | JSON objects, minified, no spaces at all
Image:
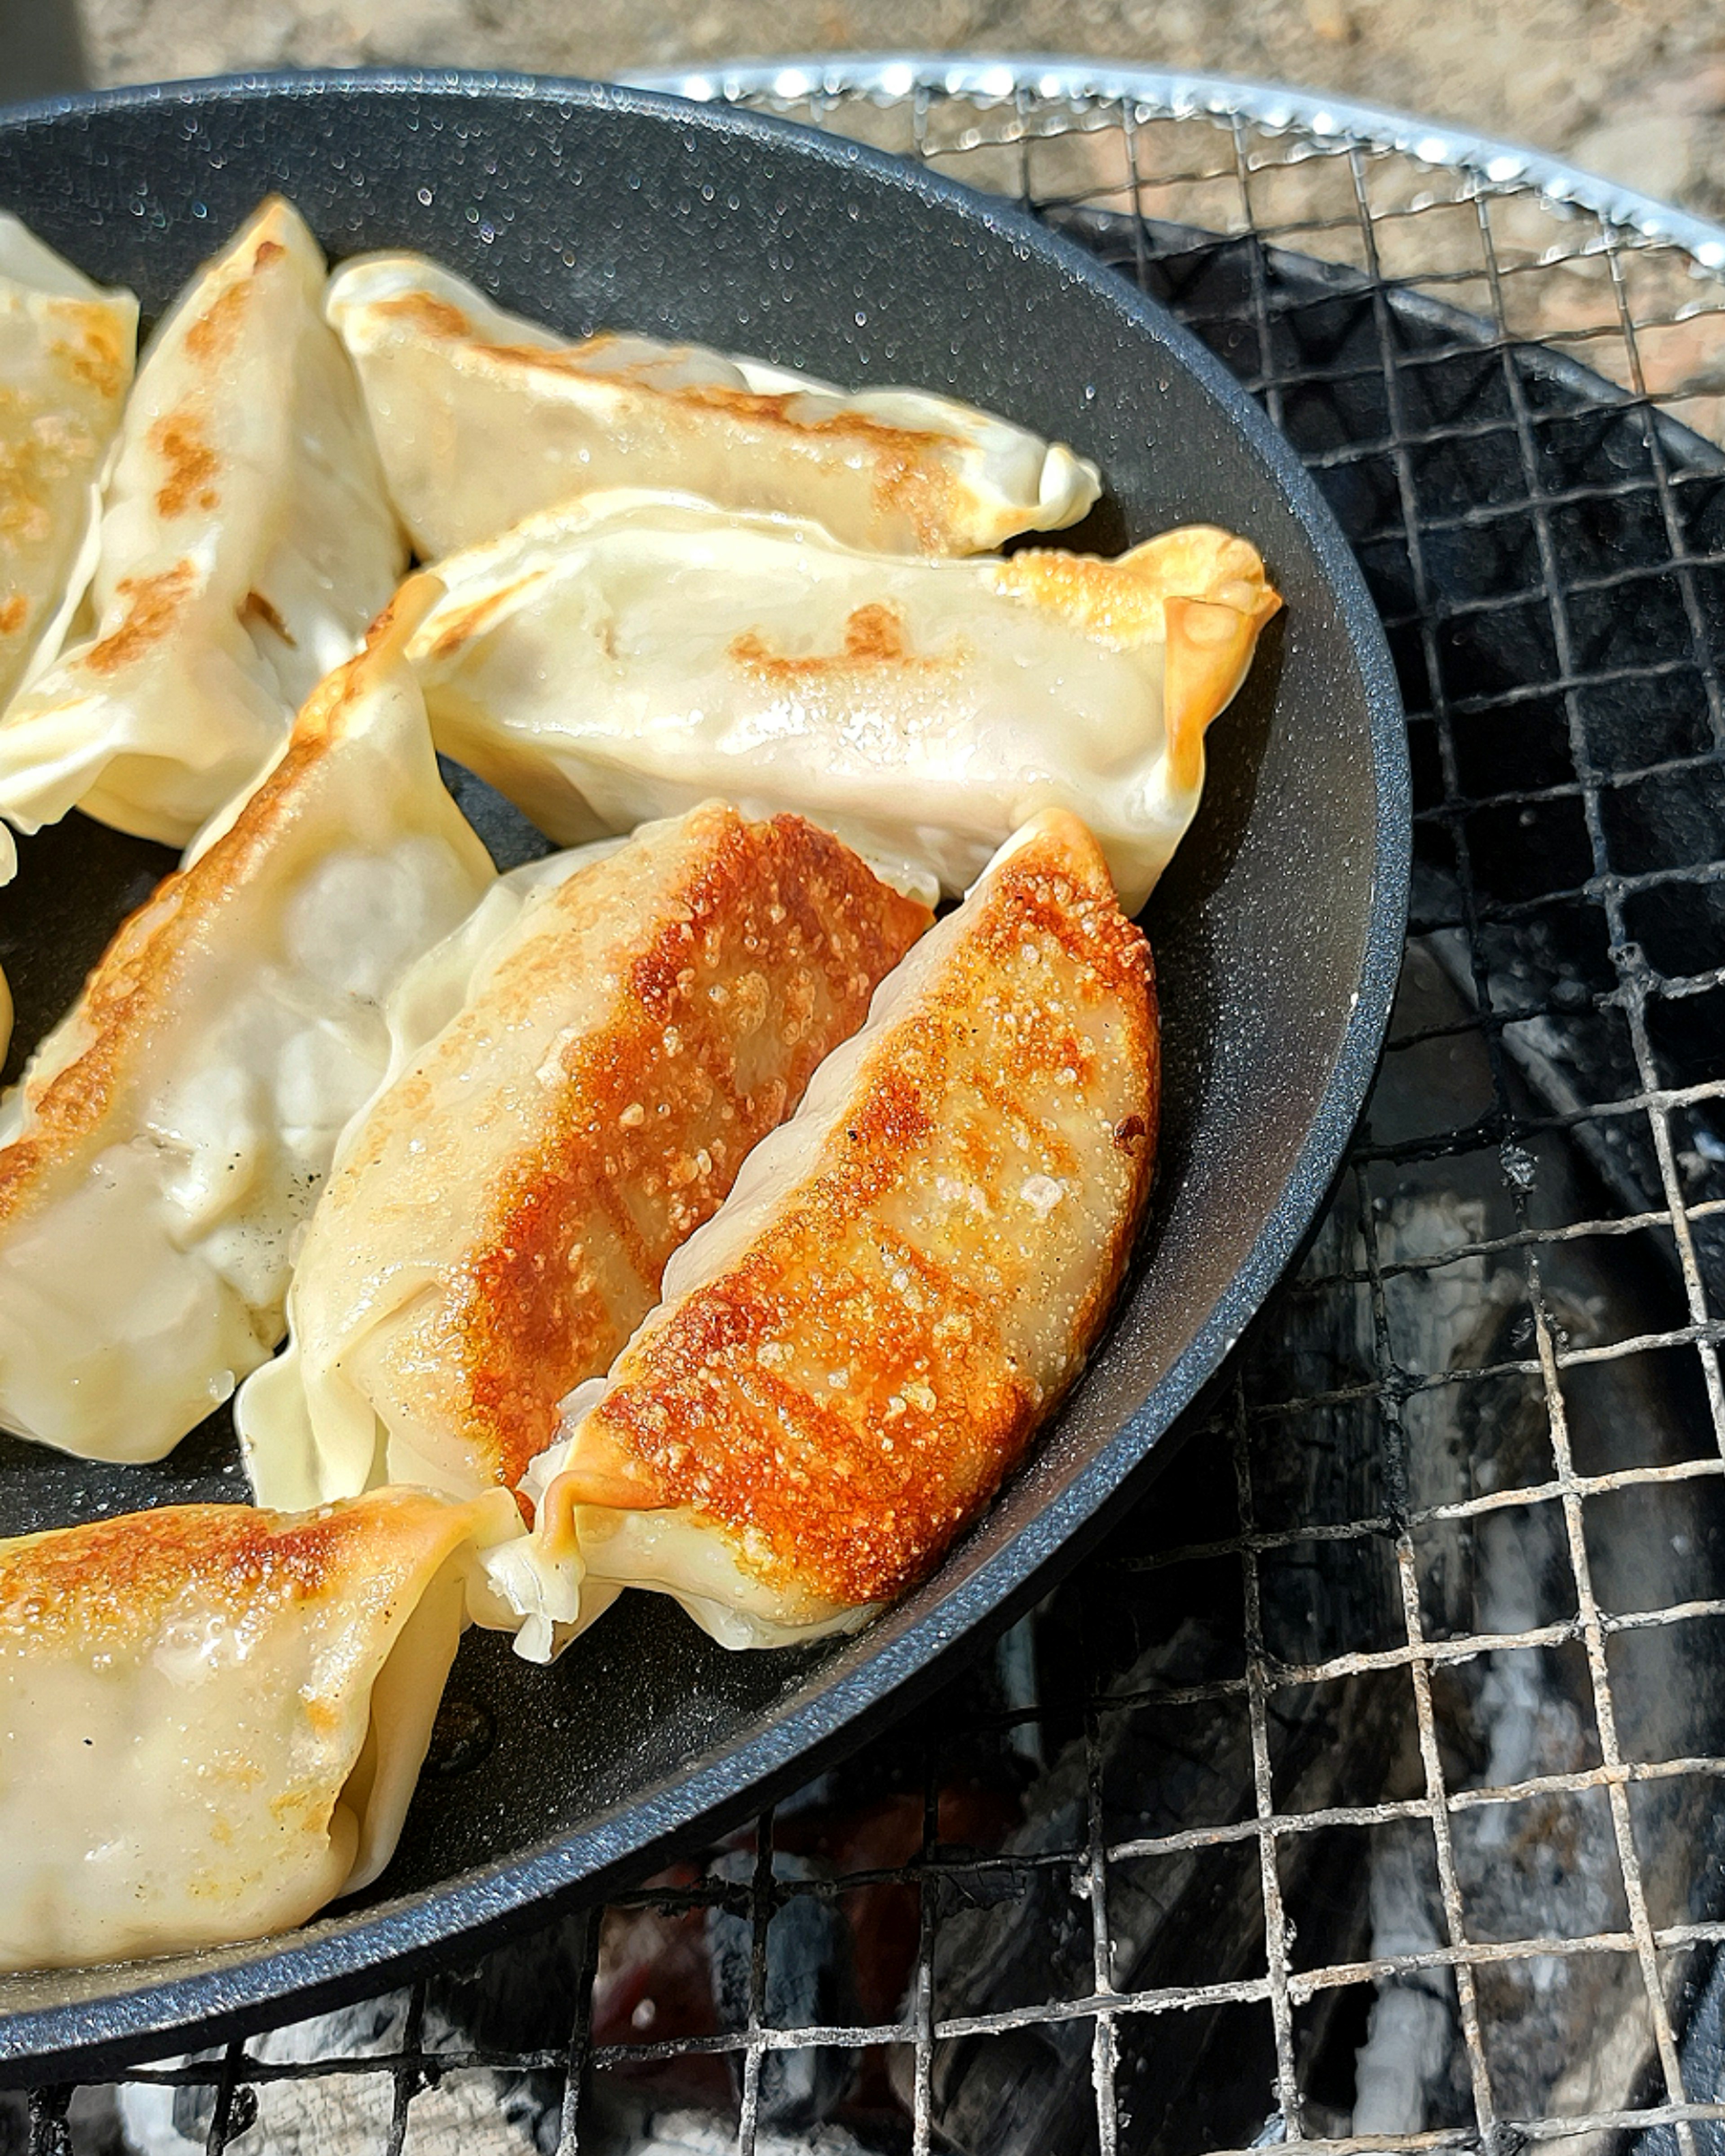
{"x":1277,"y":933}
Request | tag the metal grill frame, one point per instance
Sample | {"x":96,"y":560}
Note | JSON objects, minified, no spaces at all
{"x":986,"y":112}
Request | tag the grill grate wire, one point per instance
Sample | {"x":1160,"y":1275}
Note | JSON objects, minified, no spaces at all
{"x":1541,"y":730}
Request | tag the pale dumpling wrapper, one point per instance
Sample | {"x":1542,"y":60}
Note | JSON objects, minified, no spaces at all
{"x":67,"y":351}
{"x":170,"y":1134}
{"x":905,"y":1278}
{"x":246,"y":540}
{"x":212,"y":1719}
{"x":578,"y":1072}
{"x":630,"y":654}
{"x":484,"y":416}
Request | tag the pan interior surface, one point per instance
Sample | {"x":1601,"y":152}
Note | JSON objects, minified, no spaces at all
{"x":1277,"y":933}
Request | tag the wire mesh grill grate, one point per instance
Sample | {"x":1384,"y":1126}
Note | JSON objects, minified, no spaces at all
{"x":1360,"y":1793}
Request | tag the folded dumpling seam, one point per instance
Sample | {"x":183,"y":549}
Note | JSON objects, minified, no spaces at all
{"x":627,"y":655}
{"x":484,"y":416}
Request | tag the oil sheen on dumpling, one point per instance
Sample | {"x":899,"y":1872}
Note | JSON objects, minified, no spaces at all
{"x":246,"y":540}
{"x":499,"y":1221}
{"x":170,"y":1134}
{"x":67,"y":349}
{"x":212,"y":1719}
{"x":630,"y":654}
{"x":905,"y":1278}
{"x":483,"y":417}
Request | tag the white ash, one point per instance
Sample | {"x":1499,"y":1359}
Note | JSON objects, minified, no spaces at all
{"x":1564,"y":2033}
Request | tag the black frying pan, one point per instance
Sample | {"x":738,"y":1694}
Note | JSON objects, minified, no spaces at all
{"x":1277,"y":933}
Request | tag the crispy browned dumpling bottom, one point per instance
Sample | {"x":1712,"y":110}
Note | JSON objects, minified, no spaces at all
{"x":906,"y":1278}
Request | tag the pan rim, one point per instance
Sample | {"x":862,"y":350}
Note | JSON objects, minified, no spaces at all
{"x":356,"y":1956}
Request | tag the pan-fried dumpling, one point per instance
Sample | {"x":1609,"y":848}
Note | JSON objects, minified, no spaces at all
{"x":907,"y":1276}
{"x":499,"y":1222}
{"x":66,"y":353}
{"x":629,"y":654}
{"x":212,"y":1719}
{"x":172,"y":1132}
{"x":246,"y":541}
{"x":483,"y":417}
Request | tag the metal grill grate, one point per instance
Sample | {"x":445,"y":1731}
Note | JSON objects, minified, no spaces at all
{"x":1361,"y":1793}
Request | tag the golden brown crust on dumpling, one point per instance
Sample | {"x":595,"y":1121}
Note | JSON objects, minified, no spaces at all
{"x":622,"y":654}
{"x":780,"y":927}
{"x":191,"y":466}
{"x":844,"y":1397}
{"x":1202,"y":590}
{"x":152,"y":606}
{"x":69,"y":363}
{"x":113,"y":1581}
{"x":424,"y":310}
{"x":212,"y":1718}
{"x":212,"y":336}
{"x":243,"y":470}
{"x":874,"y":637}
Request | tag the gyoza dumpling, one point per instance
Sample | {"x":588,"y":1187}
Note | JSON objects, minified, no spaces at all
{"x":483,"y":417}
{"x":246,"y":541}
{"x":212,"y":1719}
{"x":66,"y":353}
{"x":907,"y":1276}
{"x":630,"y":654}
{"x":172,"y":1132}
{"x":498,"y":1223}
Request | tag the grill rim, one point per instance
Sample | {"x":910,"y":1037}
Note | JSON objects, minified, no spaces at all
{"x":1179,"y":93}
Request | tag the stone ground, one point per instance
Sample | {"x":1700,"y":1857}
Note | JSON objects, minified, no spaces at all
{"x":1634,"y":89}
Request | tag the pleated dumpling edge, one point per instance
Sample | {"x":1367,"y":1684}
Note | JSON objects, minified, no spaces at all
{"x":484,"y":416}
{"x":628,"y":653}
